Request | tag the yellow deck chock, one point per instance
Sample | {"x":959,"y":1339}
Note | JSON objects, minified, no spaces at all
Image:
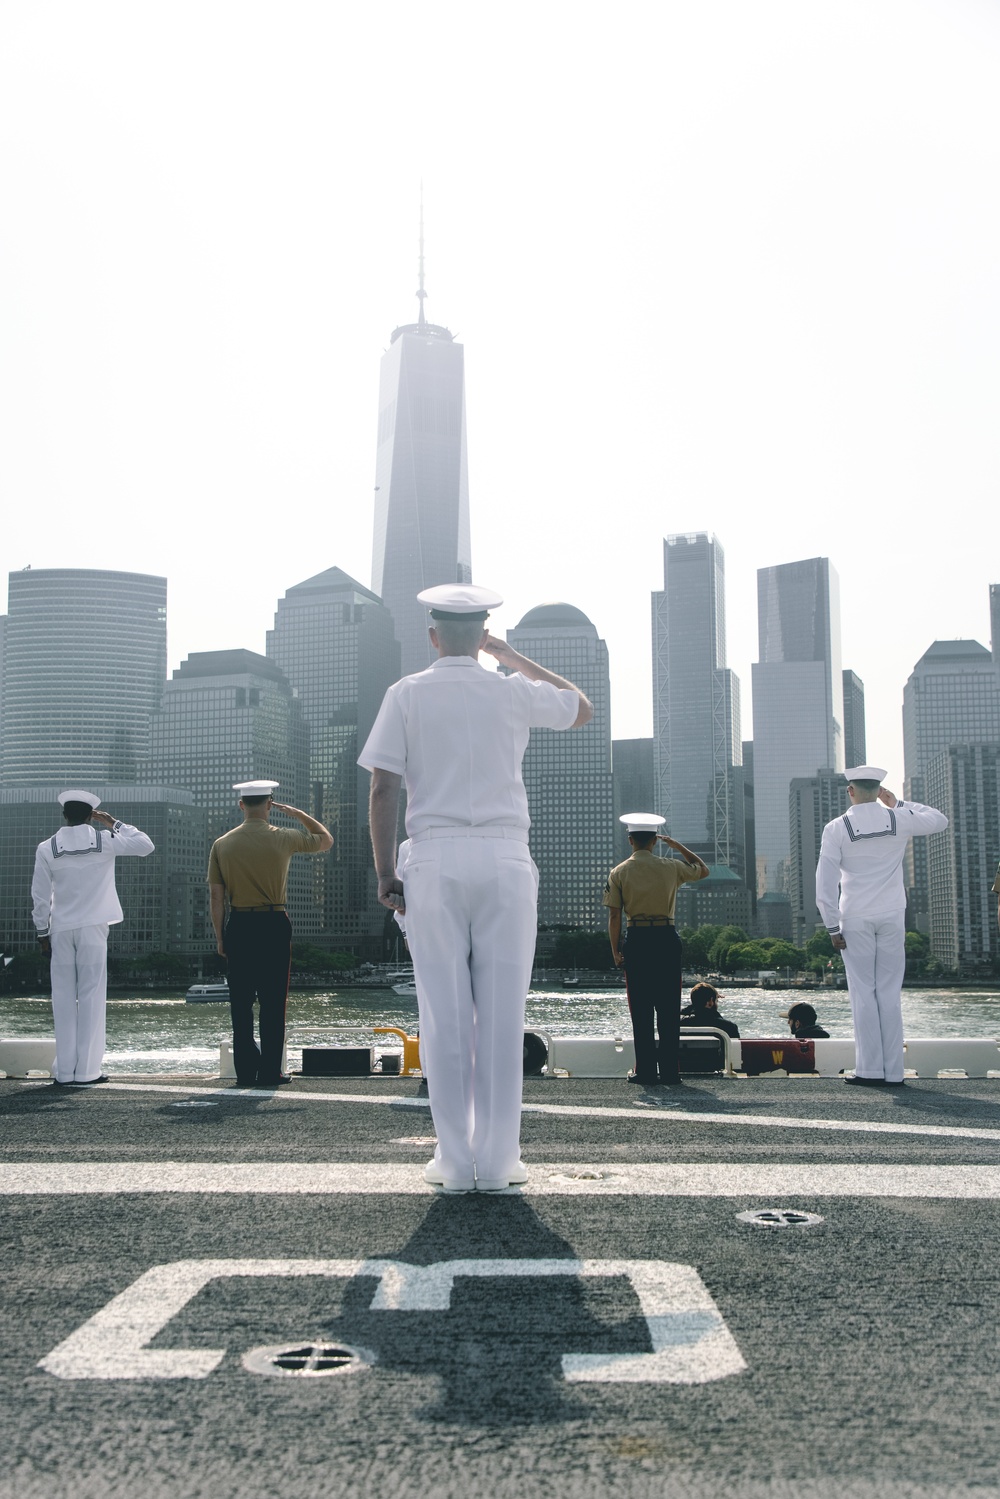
{"x":411,"y":1048}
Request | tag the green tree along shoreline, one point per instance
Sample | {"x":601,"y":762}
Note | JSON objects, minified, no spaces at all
{"x":708,"y":949}
{"x":159,"y":970}
{"x":729,"y":949}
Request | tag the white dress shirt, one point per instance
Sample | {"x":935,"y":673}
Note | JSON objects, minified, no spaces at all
{"x":457,"y":733}
{"x":862,"y":853}
{"x":74,"y":879}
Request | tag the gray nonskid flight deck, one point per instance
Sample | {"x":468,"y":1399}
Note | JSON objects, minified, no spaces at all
{"x":225,"y":1292}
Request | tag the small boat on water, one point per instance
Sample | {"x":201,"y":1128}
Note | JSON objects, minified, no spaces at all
{"x":202,"y":994}
{"x":409,"y":986}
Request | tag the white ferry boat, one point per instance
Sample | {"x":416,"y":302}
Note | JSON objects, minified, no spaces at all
{"x":200,"y":994}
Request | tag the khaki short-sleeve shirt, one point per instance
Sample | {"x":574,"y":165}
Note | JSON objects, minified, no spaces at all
{"x":995,"y":887}
{"x":647,"y":886}
{"x":252,"y":861}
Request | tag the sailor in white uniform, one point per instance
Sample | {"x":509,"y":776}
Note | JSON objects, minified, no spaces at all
{"x":456,"y":735}
{"x":862,"y":854}
{"x":74,"y":902}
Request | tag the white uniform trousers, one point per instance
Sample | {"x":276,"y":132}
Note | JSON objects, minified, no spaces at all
{"x":79,"y":970}
{"x":875,"y":960}
{"x":471,"y":919}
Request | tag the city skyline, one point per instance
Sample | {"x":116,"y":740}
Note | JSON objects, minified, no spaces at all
{"x":760,"y":302}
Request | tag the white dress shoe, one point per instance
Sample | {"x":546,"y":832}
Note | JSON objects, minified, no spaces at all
{"x":436,"y":1178}
{"x":515,"y":1178}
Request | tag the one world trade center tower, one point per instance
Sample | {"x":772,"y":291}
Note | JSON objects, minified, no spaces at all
{"x":421,"y":477}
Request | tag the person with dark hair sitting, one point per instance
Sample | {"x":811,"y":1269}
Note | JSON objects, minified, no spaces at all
{"x":703,"y":1009}
{"x":803,"y":1023}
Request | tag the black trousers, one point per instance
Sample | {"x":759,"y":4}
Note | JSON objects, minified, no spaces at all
{"x":653,"y":981}
{"x":258,"y":953}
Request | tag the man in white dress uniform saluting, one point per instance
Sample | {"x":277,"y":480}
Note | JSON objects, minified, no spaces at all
{"x":74,"y":902}
{"x":862,"y":854}
{"x":456,"y":733}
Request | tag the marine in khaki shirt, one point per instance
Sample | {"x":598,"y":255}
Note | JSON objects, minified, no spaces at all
{"x":251,"y":862}
{"x":248,"y":867}
{"x":645,"y":889}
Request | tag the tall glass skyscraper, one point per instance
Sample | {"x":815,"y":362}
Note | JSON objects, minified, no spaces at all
{"x":952,"y":697}
{"x":567,"y":775}
{"x":855,"y":737}
{"x":963,"y":781}
{"x":334,"y":641}
{"x":632,"y":786}
{"x":798,"y":699}
{"x":813,"y":801}
{"x":229,"y":716}
{"x":696,"y":703}
{"x":421,"y":478}
{"x":85,"y":660}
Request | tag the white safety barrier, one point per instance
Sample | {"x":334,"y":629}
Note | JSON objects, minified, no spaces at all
{"x":976,"y":1056}
{"x":27,"y":1054}
{"x":227,"y":1069}
{"x":834,"y":1056}
{"x":926,"y":1056}
{"x":589,"y":1056}
{"x":614,"y":1056}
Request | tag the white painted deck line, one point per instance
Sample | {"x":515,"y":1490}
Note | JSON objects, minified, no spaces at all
{"x":770,"y":1184}
{"x":659,"y":1113}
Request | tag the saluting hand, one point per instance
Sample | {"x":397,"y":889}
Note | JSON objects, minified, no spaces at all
{"x":888,"y":797}
{"x":500,"y":650}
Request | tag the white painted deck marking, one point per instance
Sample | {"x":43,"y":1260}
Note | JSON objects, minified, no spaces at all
{"x":691,"y":1342}
{"x":766,"y":1183}
{"x":655,"y":1114}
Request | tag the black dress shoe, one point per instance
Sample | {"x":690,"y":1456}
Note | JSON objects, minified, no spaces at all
{"x":643,"y":1082}
{"x":272,"y":1082}
{"x":866,"y":1082}
{"x":87,"y":1082}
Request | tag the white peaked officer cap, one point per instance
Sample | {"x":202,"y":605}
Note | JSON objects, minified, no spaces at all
{"x":459,"y":601}
{"x":76,"y":795}
{"x":865,"y":773}
{"x":642,"y":822}
{"x":256,"y":788}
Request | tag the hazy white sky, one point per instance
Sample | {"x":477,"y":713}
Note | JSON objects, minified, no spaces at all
{"x":716,"y":266}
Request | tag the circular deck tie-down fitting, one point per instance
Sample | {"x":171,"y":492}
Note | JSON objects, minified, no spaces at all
{"x":779,"y":1218}
{"x":307,"y":1359}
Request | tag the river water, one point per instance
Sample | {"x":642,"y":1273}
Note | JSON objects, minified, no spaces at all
{"x":160,"y":1033}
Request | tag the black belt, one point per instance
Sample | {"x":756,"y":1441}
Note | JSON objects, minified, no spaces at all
{"x":650,"y":921}
{"x":243,"y":909}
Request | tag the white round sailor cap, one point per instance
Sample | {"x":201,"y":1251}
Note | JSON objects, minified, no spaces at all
{"x":256,"y":788}
{"x":459,"y":601}
{"x":642,"y":822}
{"x":76,"y":795}
{"x":865,"y":773}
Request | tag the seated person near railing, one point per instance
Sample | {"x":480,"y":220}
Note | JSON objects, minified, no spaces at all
{"x":803,"y":1024}
{"x":703,"y":1009}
